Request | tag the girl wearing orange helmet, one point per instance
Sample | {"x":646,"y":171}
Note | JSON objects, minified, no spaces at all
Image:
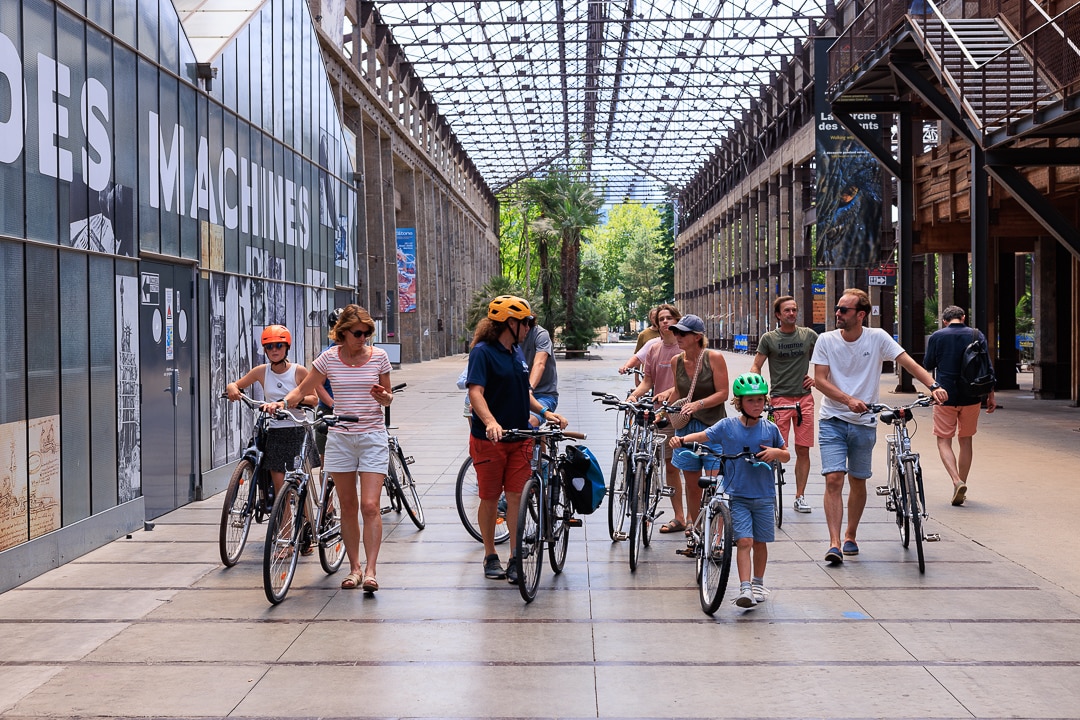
{"x":277,"y":377}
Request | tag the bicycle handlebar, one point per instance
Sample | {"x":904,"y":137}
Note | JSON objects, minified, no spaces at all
{"x":554,"y":432}
{"x":797,"y":408}
{"x":923,"y":401}
{"x":747,"y":454}
{"x":396,"y":388}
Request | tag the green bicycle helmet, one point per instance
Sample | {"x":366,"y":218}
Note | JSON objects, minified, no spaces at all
{"x":750,"y":384}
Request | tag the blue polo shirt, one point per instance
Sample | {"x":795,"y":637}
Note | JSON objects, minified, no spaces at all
{"x":504,"y":375}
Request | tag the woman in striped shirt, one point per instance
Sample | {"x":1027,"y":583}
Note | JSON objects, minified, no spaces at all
{"x":359,"y":375}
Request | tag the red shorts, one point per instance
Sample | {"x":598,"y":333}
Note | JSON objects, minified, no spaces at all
{"x":785,"y":419}
{"x":500,"y":466}
{"x":959,"y":420}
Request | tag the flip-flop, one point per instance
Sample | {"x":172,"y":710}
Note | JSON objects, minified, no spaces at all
{"x":351,"y":581}
{"x":958,"y":494}
{"x":673,"y":527}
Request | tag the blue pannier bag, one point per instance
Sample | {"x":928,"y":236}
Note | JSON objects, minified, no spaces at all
{"x":584,"y":480}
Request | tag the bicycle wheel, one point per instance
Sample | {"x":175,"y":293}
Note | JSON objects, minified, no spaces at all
{"x":467,"y":499}
{"x":617,"y":497}
{"x":778,"y":511}
{"x":393,"y":497}
{"x":716,"y":555}
{"x":648,"y":506}
{"x":237,"y":512}
{"x":331,"y":546}
{"x":637,"y":511}
{"x":903,"y":518}
{"x":530,"y":539}
{"x":560,"y":529}
{"x":282,"y":536}
{"x":406,"y":488}
{"x":911,"y":486}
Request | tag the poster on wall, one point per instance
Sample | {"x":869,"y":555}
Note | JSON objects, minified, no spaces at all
{"x":406,"y":269}
{"x":43,"y":466}
{"x":128,"y":413}
{"x":102,"y":220}
{"x":316,"y":298}
{"x":849,"y":185}
{"x":14,"y":525}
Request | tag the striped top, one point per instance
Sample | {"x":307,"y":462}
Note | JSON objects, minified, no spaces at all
{"x":352,"y":388}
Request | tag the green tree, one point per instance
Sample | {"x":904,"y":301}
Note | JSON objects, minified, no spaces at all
{"x":631,"y":246}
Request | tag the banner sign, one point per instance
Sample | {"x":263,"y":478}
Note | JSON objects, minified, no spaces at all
{"x":406,"y":269}
{"x":849,"y":188}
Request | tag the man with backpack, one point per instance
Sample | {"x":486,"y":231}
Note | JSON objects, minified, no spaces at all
{"x":957,"y":355}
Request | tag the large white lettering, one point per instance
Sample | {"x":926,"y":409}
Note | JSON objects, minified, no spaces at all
{"x":54,"y":82}
{"x":11,"y":128}
{"x":167,"y":167}
{"x":227,"y":166}
{"x":202,"y":195}
{"x":97,"y":155}
{"x":249,"y":197}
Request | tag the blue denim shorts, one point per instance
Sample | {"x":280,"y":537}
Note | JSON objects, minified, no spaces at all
{"x":846,"y":447}
{"x":753,"y":518}
{"x":550,"y":402}
{"x":688,"y":461}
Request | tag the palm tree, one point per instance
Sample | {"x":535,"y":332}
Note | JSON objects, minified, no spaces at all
{"x":569,"y":206}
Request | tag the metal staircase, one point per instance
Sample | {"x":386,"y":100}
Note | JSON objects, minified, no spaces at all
{"x":988,"y":73}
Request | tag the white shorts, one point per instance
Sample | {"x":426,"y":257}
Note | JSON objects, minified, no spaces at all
{"x":357,"y":452}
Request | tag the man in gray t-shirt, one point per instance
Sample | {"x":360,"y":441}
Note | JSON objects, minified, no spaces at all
{"x":543,"y":378}
{"x":787,"y":350}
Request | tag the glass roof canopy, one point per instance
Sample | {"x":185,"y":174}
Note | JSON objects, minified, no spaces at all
{"x":637,"y":92}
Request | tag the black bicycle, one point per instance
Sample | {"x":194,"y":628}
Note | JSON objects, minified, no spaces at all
{"x":250,"y":494}
{"x":904,"y":494}
{"x":467,"y":500}
{"x":545,"y":515}
{"x":399,"y":484}
{"x":778,"y":511}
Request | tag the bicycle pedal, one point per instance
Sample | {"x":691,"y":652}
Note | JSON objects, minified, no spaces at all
{"x":686,"y":552}
{"x":667,"y":491}
{"x":409,"y":459}
{"x":932,"y":537}
{"x":386,"y":510}
{"x":890,"y":505}
{"x":619,"y":536}
{"x":574,"y":522}
{"x":882,"y":490}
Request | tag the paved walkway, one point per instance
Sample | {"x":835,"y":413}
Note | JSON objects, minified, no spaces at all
{"x":153,"y":626}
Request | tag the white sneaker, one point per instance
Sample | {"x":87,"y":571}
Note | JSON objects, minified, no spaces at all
{"x":745,"y":599}
{"x":801,"y":505}
{"x":760,"y":593}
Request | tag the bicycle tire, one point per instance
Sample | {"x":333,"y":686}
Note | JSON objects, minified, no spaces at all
{"x":903,"y":517}
{"x":617,"y":495}
{"x":648,"y":508}
{"x":636,"y":516}
{"x":393,"y":496}
{"x":560,"y":529}
{"x":911,"y":472}
{"x":237,"y":512}
{"x":331,"y":544}
{"x":778,"y":511}
{"x":406,"y":488}
{"x":281,"y":550}
{"x":530,"y":540}
{"x":467,"y":500}
{"x":716,"y":555}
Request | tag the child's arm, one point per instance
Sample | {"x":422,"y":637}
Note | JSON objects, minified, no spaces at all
{"x":774,"y":454}
{"x":678,"y":442}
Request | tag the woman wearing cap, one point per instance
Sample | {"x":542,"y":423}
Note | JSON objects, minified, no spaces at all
{"x":498,"y":382}
{"x":360,"y":377}
{"x":277,"y":378}
{"x":701,"y":377}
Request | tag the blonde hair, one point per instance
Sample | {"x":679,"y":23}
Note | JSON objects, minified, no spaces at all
{"x":349,"y":316}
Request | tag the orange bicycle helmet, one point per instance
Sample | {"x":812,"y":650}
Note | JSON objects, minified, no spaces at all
{"x":505,"y":307}
{"x":276,"y":333}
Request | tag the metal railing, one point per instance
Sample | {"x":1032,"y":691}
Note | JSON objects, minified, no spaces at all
{"x":1040,"y":68}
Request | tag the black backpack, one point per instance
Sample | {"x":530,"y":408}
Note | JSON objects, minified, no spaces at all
{"x":976,"y":371}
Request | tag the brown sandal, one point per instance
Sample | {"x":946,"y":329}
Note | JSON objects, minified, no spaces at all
{"x":351,"y":581}
{"x":673,"y":527}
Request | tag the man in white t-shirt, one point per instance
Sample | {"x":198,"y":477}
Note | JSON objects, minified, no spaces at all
{"x":848,"y":373}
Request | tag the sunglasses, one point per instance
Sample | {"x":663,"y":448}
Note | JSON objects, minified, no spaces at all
{"x":360,"y":333}
{"x":844,"y":310}
{"x":680,"y":333}
{"x":275,"y":346}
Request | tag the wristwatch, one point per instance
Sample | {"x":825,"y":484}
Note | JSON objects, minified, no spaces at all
{"x":935,"y":386}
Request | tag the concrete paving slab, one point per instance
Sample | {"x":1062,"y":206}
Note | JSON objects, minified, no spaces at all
{"x":243,"y":604}
{"x":18,"y":682}
{"x":198,"y":641}
{"x":52,"y":642}
{"x":1027,"y":691}
{"x":102,"y":576}
{"x":979,"y":641}
{"x":69,"y":604}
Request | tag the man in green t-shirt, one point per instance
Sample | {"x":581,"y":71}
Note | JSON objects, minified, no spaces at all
{"x":788,"y":349}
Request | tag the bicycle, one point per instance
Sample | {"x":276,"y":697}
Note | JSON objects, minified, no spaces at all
{"x":289,"y":530}
{"x":778,"y":511}
{"x":545,"y":514}
{"x":250,"y":493}
{"x":634,"y":492}
{"x":711,"y":536}
{"x":398,"y":482}
{"x":904,"y":494}
{"x":467,"y":499}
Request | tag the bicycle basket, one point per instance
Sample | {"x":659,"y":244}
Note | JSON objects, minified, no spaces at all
{"x":583,"y":479}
